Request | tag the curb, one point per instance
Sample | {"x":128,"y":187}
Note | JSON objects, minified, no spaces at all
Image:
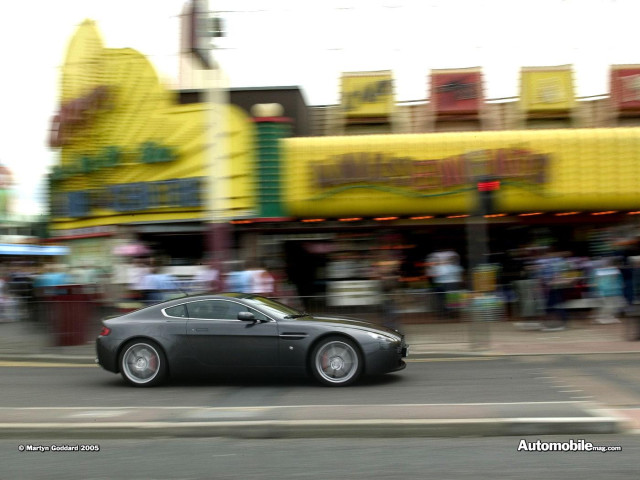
{"x":374,"y":428}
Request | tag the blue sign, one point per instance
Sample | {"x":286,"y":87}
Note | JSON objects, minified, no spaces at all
{"x":131,"y":197}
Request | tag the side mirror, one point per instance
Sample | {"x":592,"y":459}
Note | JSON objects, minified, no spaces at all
{"x":246,"y":317}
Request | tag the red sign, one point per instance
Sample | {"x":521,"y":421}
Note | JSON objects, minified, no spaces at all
{"x":456,"y":91}
{"x":76,"y":113}
{"x":488,"y":186}
{"x":625,"y":86}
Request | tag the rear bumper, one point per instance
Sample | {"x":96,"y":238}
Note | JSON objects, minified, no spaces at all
{"x":106,"y":355}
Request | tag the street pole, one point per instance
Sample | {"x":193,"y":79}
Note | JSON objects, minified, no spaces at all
{"x":218,"y":176}
{"x":217,"y":153}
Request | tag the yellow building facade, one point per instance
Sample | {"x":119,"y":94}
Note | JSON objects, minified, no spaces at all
{"x":539,"y":170}
{"x":129,"y":153}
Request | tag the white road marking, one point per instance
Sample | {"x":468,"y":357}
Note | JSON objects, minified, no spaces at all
{"x":100,"y":414}
{"x":46,"y":364}
{"x":451,"y":359}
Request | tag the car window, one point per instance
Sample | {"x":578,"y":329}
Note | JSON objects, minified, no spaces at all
{"x":274,"y":308}
{"x":221,"y":310}
{"x":210,"y":309}
{"x":177,"y":311}
{"x":259,"y":316}
{"x":236,"y":308}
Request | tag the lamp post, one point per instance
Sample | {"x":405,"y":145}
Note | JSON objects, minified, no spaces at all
{"x":204,"y":27}
{"x":218,"y":175}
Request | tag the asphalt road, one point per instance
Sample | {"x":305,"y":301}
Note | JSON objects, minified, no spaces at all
{"x":457,"y":380}
{"x":460,"y":458}
{"x":608,"y":379}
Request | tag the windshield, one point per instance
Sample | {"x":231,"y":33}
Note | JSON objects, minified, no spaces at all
{"x":275,"y":308}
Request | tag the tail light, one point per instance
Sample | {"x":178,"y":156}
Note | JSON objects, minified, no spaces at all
{"x":105,"y":331}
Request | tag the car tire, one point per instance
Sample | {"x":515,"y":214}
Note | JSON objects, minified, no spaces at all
{"x":336,"y":362}
{"x":143,"y":363}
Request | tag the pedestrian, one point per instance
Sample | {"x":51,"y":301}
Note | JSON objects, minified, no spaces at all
{"x":609,"y":286}
{"x":446,"y":276}
{"x":207,"y":279}
{"x":261,"y":282}
{"x":557,"y":282}
{"x":389,"y":278}
{"x":158,"y":285}
{"x":238,"y":278}
{"x":137,"y":272}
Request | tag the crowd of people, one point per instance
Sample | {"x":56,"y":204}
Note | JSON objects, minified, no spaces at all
{"x":138,"y":280}
{"x":537,"y":283}
{"x":544,"y":283}
{"x":549,"y":283}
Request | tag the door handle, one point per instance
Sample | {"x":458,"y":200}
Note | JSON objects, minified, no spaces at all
{"x":200,"y":329}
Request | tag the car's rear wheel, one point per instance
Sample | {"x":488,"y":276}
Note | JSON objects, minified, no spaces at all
{"x":336,"y":362}
{"x":143,"y":363}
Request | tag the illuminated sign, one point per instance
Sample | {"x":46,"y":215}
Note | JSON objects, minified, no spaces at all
{"x":545,"y":89}
{"x":367,"y":94}
{"x":625,"y":86}
{"x":456,"y":91}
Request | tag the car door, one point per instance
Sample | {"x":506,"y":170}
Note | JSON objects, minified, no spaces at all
{"x":222,"y":342}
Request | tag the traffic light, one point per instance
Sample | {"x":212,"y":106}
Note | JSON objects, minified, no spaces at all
{"x":486,"y":189}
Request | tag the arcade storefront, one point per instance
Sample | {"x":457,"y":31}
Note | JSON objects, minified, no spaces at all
{"x":352,"y":200}
{"x":134,"y":164}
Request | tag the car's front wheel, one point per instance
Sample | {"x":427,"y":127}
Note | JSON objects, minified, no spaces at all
{"x":336,"y":361}
{"x":143,"y":363}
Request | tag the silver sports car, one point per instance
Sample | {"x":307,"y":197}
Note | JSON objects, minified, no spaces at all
{"x":209,"y":334}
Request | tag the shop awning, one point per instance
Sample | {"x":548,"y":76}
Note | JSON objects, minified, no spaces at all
{"x":45,"y":250}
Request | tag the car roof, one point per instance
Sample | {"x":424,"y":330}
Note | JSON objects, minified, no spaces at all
{"x":207,"y":296}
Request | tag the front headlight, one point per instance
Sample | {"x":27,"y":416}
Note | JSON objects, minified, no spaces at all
{"x":384,"y":338}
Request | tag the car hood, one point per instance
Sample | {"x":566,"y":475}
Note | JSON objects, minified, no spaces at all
{"x":352,"y":323}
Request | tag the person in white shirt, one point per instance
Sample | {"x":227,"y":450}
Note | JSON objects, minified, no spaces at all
{"x":446,"y":275}
{"x":207,"y":279}
{"x":261,"y":281}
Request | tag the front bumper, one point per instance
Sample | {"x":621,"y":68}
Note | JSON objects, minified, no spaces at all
{"x":388,"y":358}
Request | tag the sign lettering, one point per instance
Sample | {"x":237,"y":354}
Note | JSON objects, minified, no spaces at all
{"x":130,"y":197}
{"x":371,"y":93}
{"x":76,"y":114}
{"x":514,"y":163}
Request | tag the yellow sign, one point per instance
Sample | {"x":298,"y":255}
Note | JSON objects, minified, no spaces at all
{"x":544,"y":89}
{"x":539,"y":170}
{"x":129,"y":151}
{"x":367,"y":94}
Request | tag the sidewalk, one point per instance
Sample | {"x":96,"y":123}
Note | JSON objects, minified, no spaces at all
{"x":22,"y":343}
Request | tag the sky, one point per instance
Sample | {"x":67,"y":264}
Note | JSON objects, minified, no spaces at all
{"x":306,"y":43}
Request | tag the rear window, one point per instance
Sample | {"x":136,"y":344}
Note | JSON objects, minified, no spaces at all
{"x":179,"y":311}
